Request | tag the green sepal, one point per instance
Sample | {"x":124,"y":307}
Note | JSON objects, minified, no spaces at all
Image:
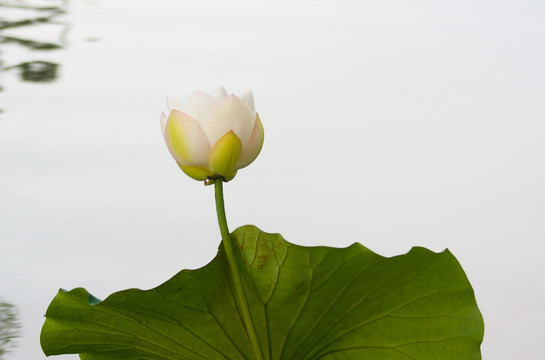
{"x":224,"y":155}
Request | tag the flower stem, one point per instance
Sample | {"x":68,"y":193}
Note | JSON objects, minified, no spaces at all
{"x":228,"y":246}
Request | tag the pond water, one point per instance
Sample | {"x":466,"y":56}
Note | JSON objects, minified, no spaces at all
{"x":387,"y":123}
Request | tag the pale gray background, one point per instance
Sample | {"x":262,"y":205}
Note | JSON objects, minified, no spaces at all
{"x":390,"y":123}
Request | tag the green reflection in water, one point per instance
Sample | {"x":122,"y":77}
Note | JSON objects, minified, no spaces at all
{"x":37,"y":71}
{"x":34,"y":70}
{"x":9,"y":327}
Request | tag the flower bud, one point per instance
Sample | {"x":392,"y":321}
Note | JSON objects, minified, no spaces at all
{"x":213,"y":136}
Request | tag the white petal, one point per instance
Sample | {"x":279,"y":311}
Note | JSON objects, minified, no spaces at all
{"x":231,"y":114}
{"x":253,"y":148}
{"x":175,"y":105}
{"x":186,"y":140}
{"x":199,"y":105}
{"x":163,"y":123}
{"x":248,"y":98}
{"x":220,"y":93}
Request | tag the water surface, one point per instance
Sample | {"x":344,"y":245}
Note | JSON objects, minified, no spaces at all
{"x":386,"y":123}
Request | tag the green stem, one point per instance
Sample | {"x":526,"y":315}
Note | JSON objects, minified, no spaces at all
{"x":228,"y":246}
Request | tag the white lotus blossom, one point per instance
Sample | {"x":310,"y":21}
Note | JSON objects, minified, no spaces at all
{"x":213,"y":136}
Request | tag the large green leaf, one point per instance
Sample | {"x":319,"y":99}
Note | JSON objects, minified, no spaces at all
{"x":305,"y":303}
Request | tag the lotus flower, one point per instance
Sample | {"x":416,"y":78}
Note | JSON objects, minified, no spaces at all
{"x":213,"y":136}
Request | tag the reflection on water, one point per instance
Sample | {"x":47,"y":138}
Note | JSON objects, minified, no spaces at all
{"x":37,"y":71}
{"x":9,"y":327}
{"x":22,"y":15}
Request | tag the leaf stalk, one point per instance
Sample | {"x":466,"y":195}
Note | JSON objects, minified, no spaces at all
{"x":228,"y":247}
